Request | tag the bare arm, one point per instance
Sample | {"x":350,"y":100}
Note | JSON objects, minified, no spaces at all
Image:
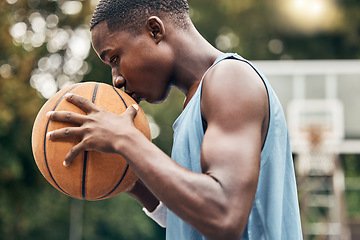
{"x":230,"y":154}
{"x":144,"y":196}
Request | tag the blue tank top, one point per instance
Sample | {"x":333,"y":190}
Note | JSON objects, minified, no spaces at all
{"x":275,"y":211}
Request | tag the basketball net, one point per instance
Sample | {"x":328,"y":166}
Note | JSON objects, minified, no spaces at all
{"x":316,"y":159}
{"x":316,"y":129}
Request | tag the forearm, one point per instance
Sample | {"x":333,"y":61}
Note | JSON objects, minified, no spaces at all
{"x":189,"y":195}
{"x":144,"y":196}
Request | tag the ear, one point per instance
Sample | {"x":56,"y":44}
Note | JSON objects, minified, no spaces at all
{"x":156,"y":28}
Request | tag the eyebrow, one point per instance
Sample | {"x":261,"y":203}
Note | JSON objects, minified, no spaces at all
{"x":103,"y":54}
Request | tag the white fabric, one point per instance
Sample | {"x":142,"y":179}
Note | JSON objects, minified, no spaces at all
{"x":158,"y":215}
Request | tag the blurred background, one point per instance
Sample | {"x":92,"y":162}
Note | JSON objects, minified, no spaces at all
{"x":309,"y":49}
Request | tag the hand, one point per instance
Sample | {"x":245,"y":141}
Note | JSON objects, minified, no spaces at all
{"x":99,"y":130}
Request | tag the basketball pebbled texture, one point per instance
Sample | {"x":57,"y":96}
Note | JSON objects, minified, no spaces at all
{"x":92,"y":175}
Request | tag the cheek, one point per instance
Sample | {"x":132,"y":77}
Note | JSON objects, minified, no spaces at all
{"x":135,"y":71}
{"x":139,"y":66}
{"x":149,"y":69}
{"x":130,"y":67}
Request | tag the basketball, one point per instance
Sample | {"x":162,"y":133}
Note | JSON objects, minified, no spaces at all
{"x":92,"y":175}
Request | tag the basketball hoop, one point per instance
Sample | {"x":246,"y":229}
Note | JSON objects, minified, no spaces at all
{"x":319,"y":120}
{"x":316,"y":129}
{"x":315,"y":126}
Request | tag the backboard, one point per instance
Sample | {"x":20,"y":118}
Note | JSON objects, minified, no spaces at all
{"x":314,"y":121}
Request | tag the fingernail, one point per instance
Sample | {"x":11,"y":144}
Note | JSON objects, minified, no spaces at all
{"x":136,"y":107}
{"x":65,"y":164}
{"x":67,"y":95}
{"x":48,"y":114}
{"x":48,"y":135}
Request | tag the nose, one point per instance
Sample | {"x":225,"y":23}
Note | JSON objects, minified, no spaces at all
{"x":118,"y":79}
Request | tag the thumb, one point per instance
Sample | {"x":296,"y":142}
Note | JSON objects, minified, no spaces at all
{"x":132,"y":110}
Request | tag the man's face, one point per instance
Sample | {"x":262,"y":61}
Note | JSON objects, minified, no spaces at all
{"x":138,"y":63}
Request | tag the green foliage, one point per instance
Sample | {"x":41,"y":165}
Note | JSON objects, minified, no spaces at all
{"x":126,"y":221}
{"x":30,"y":208}
{"x":351,"y":164}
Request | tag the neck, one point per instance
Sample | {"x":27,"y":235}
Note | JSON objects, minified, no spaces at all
{"x":194,"y":56}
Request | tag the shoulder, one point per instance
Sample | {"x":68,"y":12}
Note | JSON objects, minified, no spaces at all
{"x":234,"y":76}
{"x":233,"y":87}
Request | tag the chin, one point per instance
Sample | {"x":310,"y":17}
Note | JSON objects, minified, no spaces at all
{"x":155,"y":101}
{"x":159,"y":99}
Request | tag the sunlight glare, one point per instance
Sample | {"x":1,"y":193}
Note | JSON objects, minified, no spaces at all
{"x":309,"y":16}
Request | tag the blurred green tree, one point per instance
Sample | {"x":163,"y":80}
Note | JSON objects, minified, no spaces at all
{"x":40,"y":53}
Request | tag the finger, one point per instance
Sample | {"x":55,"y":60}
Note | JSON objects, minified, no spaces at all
{"x":74,"y":152}
{"x":132,"y":110}
{"x":65,"y":116}
{"x":84,"y":104}
{"x":65,"y":133}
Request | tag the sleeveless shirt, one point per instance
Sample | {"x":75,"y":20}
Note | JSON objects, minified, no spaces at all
{"x":275,"y":211}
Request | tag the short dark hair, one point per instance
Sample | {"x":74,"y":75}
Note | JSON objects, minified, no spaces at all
{"x":130,"y":14}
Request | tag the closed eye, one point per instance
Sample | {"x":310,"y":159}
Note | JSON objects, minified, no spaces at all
{"x":113,"y":59}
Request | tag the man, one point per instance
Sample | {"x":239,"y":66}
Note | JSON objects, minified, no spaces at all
{"x":231,"y":173}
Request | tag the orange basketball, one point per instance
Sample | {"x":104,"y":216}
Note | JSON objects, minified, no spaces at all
{"x":92,"y":175}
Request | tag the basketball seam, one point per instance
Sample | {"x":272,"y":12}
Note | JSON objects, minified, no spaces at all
{"x":120,"y":96}
{"x":121,"y":179}
{"x":46,"y":129}
{"x":84,"y":175}
{"x":127,"y":165}
{"x":84,"y":179}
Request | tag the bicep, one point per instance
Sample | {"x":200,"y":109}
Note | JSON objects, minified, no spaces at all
{"x":234,"y":110}
{"x":233,"y":159}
